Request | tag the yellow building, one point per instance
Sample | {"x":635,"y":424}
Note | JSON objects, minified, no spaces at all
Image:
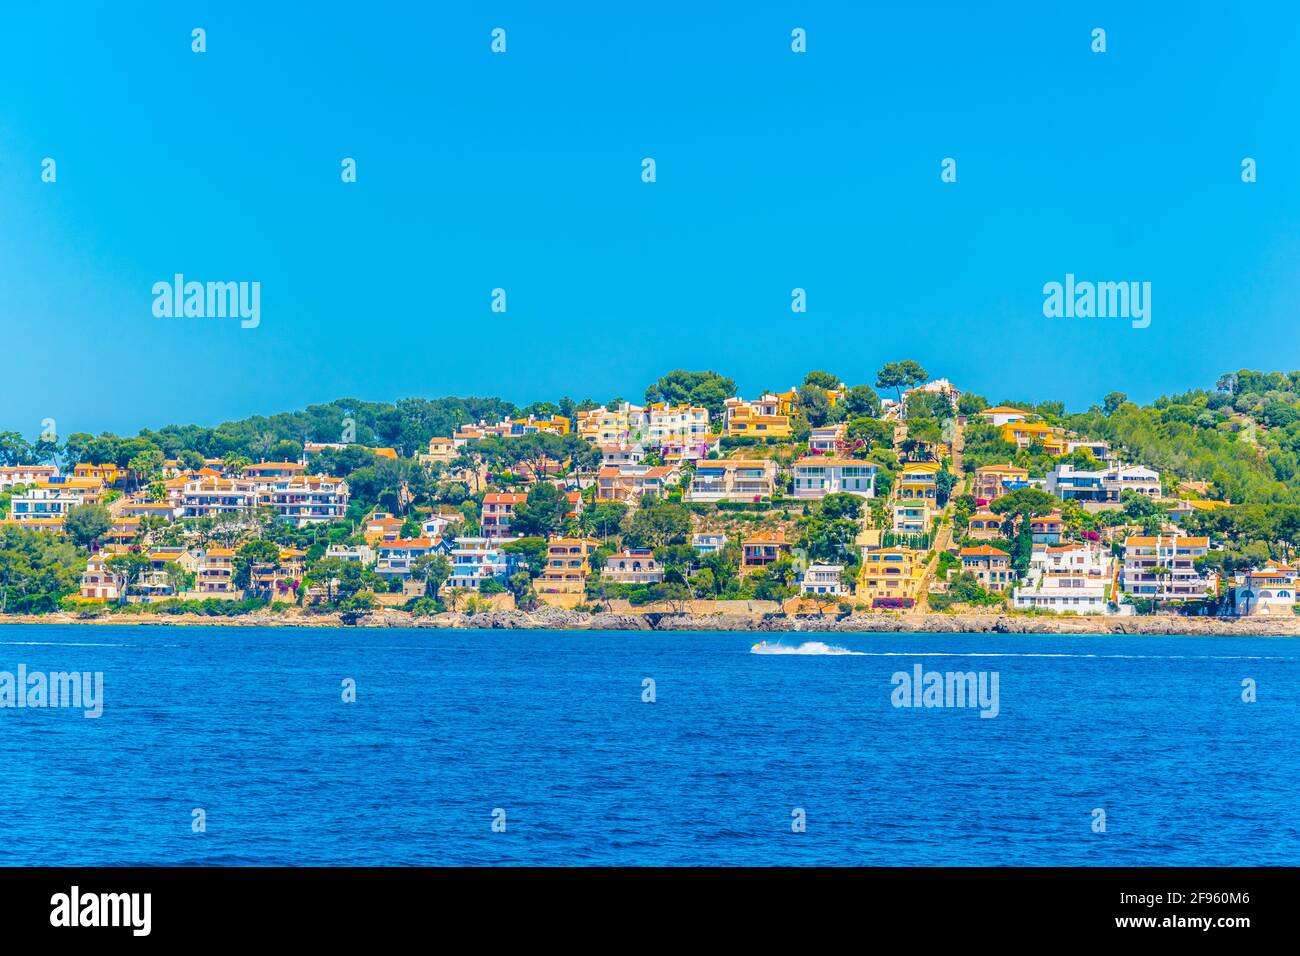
{"x":918,"y":481}
{"x":441,"y":451}
{"x":891,"y":577}
{"x":758,"y":419}
{"x":567,"y":565}
{"x":612,"y":426}
{"x":108,"y":473}
{"x":1024,"y":434}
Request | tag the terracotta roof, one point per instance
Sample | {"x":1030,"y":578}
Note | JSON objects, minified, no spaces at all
{"x":504,"y":497}
{"x":983,"y":551}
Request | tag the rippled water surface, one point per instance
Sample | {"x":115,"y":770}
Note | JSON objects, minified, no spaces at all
{"x":551,"y":728}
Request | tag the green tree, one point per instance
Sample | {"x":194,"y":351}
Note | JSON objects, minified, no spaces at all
{"x":900,"y":375}
{"x":861,"y":401}
{"x":705,"y":389}
{"x":814,"y":405}
{"x":823,"y":380}
{"x":542,"y":513}
{"x":432,"y":569}
{"x":260,"y":551}
{"x":657,"y":523}
{"x":85,"y":523}
{"x":127,"y":570}
{"x":532,"y":550}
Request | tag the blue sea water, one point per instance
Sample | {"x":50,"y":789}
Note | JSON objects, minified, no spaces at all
{"x":551,"y":728}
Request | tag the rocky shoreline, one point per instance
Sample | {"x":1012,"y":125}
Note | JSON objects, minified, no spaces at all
{"x":551,"y":618}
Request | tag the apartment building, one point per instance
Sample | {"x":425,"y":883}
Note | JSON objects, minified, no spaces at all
{"x":758,"y":419}
{"x":1047,"y":529}
{"x":45,"y":505}
{"x":692,"y":448}
{"x":106,"y":473}
{"x":676,"y":422}
{"x":476,"y":559}
{"x":209,"y":497}
{"x":567,"y":565}
{"x":633,"y":482}
{"x":98,"y":583}
{"x":620,"y":424}
{"x":498,"y":509}
{"x":912,"y":515}
{"x":304,"y":499}
{"x":733,"y":479}
{"x":1066,"y":577}
{"x":396,"y":558}
{"x":25,"y":475}
{"x":1162,"y":568}
{"x":216,"y":572}
{"x":817,"y":476}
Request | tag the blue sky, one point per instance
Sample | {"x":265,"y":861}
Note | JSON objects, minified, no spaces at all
{"x":522,"y":171}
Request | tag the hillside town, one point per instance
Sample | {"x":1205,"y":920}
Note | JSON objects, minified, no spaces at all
{"x":823,"y":499}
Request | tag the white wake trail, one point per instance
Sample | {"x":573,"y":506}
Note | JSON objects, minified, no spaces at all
{"x":816,"y":648}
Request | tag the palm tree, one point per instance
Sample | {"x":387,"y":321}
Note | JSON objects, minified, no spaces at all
{"x":235,"y":465}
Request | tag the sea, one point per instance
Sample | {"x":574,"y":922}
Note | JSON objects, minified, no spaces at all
{"x":284,"y":746}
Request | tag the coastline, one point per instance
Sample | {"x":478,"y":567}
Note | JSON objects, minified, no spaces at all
{"x":549,"y":618}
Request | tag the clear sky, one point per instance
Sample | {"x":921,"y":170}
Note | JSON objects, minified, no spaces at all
{"x":522,"y":170}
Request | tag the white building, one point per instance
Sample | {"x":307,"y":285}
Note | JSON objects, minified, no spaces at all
{"x":1104,"y":486}
{"x":25,"y":475}
{"x":825,"y":439}
{"x":677,"y":422}
{"x":305,"y":499}
{"x":732,"y":479}
{"x":817,"y":476}
{"x":912,"y":515}
{"x":1268,"y":591}
{"x":49,"y":503}
{"x":822,"y":579}
{"x":362,"y":553}
{"x":1067,"y":577}
{"x":1163,"y":568}
{"x":1000,"y":415}
{"x":707,"y":542}
{"x":395,"y":558}
{"x":474,"y":560}
{"x":634,"y":566}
